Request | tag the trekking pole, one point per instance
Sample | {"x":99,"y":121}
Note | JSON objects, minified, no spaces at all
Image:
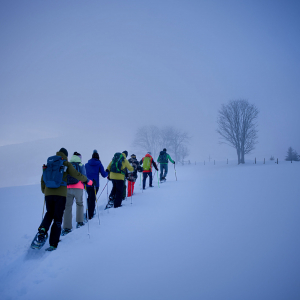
{"x":87,"y":212}
{"x":107,"y":190}
{"x":43,"y":209}
{"x":131,"y":191}
{"x":175,"y":172}
{"x":102,"y":191}
{"x":158,"y":180}
{"x":97,"y":204}
{"x":107,"y":195}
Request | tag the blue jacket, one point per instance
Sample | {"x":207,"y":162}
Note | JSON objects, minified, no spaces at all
{"x":93,"y":168}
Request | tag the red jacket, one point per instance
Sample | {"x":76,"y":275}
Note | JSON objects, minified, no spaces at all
{"x":152,"y":162}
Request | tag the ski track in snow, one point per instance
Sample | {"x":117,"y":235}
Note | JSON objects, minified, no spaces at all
{"x":219,"y":232}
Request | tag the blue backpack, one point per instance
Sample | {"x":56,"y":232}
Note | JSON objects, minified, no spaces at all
{"x":54,"y":171}
{"x":72,"y":180}
{"x":163,"y":159}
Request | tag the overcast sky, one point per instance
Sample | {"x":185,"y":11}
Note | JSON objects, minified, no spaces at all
{"x":100,"y":69}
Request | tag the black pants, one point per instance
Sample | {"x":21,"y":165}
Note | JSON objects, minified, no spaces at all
{"x":112,"y":194}
{"x":91,"y":200}
{"x":55,"y":209}
{"x":145,"y":175}
{"x":118,"y":187}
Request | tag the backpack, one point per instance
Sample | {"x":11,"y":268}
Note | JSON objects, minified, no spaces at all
{"x":53,"y":172}
{"x":116,"y":163}
{"x":70,"y":179}
{"x":147,"y":163}
{"x":163,"y":159}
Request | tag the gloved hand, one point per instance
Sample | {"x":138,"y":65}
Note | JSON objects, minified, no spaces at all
{"x":94,"y":182}
{"x":174,"y":162}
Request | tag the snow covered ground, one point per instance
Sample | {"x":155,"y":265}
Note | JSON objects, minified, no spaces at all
{"x":219,"y":232}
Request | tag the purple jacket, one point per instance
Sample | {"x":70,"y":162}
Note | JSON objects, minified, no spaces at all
{"x":93,"y":168}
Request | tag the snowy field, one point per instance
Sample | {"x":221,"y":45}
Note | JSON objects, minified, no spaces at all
{"x":219,"y":232}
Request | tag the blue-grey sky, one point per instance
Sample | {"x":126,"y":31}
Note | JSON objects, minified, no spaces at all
{"x":100,"y":69}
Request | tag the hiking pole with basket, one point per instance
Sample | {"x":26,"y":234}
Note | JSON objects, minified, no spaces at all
{"x":175,"y":172}
{"x":97,"y":204}
{"x":102,"y":192}
{"x":87,"y":212}
{"x":131,"y":186}
{"x":43,"y":209}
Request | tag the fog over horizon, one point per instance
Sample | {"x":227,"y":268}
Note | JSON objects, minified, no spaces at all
{"x":90,"y":73}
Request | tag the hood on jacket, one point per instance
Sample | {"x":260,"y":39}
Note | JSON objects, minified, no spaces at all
{"x":162,"y":152}
{"x":148,"y":155}
{"x":94,"y":162}
{"x":62,"y":155}
{"x":75,"y":159}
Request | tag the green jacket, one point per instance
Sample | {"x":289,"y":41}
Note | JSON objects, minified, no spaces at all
{"x":120,"y":176}
{"x":168,"y":159}
{"x":62,"y":190}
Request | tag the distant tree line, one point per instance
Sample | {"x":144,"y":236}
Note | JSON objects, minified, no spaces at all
{"x":153,"y":139}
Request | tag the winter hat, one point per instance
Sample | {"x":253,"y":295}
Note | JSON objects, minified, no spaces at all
{"x":77,"y":154}
{"x":165,"y":149}
{"x":95,"y":155}
{"x":95,"y":151}
{"x":133,"y":156}
{"x":149,"y":153}
{"x":125,"y":152}
{"x":64,"y":151}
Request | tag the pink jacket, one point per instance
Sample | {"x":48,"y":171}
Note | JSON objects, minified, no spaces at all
{"x":78,"y":185}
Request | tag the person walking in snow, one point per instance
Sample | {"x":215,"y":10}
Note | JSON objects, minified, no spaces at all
{"x":132,"y":176}
{"x":55,"y":199}
{"x":93,"y":168}
{"x":164,"y":159}
{"x":147,"y":162}
{"x":75,"y":191}
{"x":117,"y":168}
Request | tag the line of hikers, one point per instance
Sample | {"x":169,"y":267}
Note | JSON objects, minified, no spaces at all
{"x":63,"y":181}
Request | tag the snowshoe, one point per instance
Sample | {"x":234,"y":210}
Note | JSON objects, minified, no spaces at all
{"x":110,"y":204}
{"x":79,"y":224}
{"x":51,"y":248}
{"x":65,"y":231}
{"x":39,"y":240}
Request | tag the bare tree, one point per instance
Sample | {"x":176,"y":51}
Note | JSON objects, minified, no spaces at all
{"x":150,"y":138}
{"x":237,"y":126}
{"x":175,"y":140}
{"x":147,"y":139}
{"x":183,"y":153}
